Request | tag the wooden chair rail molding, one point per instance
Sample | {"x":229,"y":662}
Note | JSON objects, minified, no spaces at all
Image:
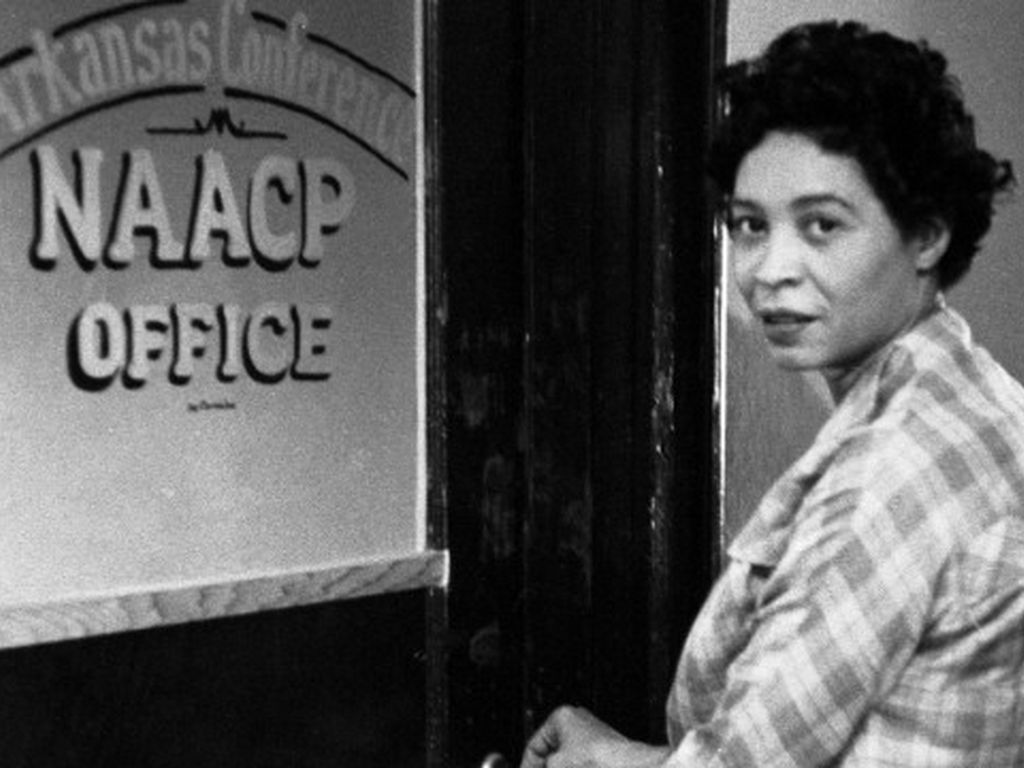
{"x":50,"y":622}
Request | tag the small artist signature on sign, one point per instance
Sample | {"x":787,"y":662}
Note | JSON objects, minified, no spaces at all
{"x":211,"y":405}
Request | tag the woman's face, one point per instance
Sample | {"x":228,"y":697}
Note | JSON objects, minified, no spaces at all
{"x":818,"y":260}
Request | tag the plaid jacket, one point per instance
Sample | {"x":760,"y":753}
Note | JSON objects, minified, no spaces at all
{"x":872,"y":612}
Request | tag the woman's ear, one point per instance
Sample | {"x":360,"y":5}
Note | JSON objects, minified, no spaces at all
{"x":931,"y":242}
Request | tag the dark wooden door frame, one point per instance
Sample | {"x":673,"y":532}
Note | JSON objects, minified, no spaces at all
{"x":619,"y":540}
{"x":572,"y":291}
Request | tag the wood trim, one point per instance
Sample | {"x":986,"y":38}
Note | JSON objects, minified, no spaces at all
{"x":75,"y":619}
{"x":437,"y":621}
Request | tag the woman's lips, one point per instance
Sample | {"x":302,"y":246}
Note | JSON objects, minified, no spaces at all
{"x":783,"y":325}
{"x":784,"y":318}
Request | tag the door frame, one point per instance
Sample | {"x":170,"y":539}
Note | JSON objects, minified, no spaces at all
{"x":572,"y":357}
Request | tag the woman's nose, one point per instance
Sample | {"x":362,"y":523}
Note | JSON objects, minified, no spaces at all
{"x":780,"y":260}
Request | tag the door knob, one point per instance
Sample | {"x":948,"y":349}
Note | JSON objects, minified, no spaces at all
{"x":494,"y":760}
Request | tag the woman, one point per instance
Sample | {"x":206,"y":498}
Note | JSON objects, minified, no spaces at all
{"x":872,"y":610}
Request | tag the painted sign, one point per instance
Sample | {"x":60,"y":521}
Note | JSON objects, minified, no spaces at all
{"x":210,"y":286}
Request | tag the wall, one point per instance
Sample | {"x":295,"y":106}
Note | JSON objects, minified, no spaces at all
{"x":771,"y":416}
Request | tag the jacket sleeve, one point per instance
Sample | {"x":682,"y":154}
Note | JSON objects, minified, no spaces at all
{"x":834,"y":624}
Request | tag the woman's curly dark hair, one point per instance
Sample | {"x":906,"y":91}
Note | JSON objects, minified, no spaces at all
{"x":888,"y":103}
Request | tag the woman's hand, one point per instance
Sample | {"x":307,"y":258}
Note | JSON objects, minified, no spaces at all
{"x":573,"y":738}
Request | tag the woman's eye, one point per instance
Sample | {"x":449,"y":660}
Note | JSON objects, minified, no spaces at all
{"x":747,"y":227}
{"x":822,"y":227}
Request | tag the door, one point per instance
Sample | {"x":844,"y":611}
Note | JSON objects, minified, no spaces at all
{"x":579,"y":303}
